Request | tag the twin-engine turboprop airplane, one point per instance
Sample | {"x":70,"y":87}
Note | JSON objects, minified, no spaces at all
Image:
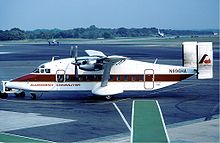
{"x":109,"y":75}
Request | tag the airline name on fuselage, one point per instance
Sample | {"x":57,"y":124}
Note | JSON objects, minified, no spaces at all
{"x":177,"y":71}
{"x":45,"y":84}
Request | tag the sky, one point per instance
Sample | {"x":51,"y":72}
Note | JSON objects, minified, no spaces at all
{"x":68,"y":14}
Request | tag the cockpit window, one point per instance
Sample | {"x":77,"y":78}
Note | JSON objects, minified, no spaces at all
{"x":42,"y":71}
{"x":47,"y":70}
{"x":42,"y":66}
{"x":36,"y":70}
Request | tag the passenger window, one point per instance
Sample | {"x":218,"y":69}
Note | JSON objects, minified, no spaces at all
{"x":133,"y":77}
{"x":141,"y":78}
{"x":67,"y":78}
{"x":42,"y":66}
{"x":126,"y":78}
{"x":118,"y":77}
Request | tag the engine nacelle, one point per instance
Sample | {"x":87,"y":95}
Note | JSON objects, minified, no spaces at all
{"x":91,"y":67}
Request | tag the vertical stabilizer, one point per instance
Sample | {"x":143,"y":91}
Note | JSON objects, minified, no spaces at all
{"x":199,"y":55}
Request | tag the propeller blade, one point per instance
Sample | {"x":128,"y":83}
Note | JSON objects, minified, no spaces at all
{"x":71,"y":51}
{"x":76,"y":52}
{"x":76,"y":71}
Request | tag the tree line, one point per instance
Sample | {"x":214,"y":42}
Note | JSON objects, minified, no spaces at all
{"x":93,"y":32}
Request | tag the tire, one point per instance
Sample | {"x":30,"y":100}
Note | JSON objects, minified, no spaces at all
{"x":108,"y":97}
{"x":33,"y":96}
{"x":3,"y":95}
{"x":18,"y":95}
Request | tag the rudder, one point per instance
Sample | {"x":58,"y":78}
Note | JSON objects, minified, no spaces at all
{"x":199,"y":55}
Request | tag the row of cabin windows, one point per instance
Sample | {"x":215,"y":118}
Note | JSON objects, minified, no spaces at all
{"x":69,"y":78}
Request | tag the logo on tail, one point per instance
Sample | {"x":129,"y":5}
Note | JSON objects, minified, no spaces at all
{"x":205,"y":59}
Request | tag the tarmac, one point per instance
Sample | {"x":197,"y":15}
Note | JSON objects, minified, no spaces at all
{"x":194,"y":131}
{"x":78,"y":117}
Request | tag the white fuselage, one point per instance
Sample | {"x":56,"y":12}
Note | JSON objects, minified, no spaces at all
{"x":129,"y":75}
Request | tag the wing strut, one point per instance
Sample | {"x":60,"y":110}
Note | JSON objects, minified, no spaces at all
{"x":106,"y":74}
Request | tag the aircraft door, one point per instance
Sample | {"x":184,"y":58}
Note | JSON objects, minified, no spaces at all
{"x":60,"y":76}
{"x":149,"y":79}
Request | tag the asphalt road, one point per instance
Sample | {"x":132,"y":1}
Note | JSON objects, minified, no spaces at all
{"x":93,"y":117}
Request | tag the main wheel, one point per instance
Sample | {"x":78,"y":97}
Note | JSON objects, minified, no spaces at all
{"x":3,"y":95}
{"x":108,"y":97}
{"x":33,"y":96}
{"x":22,"y":94}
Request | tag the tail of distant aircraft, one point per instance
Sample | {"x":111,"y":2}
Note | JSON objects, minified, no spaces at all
{"x":199,"y":55}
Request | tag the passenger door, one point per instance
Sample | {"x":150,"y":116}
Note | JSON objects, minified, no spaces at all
{"x":60,"y":76}
{"x":148,"y":78}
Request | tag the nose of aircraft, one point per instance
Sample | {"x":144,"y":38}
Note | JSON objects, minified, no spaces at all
{"x":13,"y":85}
{"x":9,"y":84}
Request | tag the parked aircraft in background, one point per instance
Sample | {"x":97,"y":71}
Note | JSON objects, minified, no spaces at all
{"x":161,"y":34}
{"x":53,"y":42}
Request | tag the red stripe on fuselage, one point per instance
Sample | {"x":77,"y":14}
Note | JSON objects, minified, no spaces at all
{"x":90,"y":78}
{"x":36,"y":78}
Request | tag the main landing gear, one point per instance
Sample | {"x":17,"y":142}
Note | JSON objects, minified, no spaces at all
{"x":3,"y":95}
{"x":33,"y":96}
{"x":20,"y":95}
{"x":108,"y":97}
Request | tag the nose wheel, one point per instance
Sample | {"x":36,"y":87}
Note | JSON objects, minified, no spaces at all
{"x":33,"y":96}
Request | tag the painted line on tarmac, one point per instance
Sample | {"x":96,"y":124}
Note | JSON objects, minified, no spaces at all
{"x":29,"y":138}
{"x":122,"y":116}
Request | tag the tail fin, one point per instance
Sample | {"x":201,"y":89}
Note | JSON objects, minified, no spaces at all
{"x":199,"y":55}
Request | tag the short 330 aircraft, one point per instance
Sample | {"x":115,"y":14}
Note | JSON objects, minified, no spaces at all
{"x":109,"y":75}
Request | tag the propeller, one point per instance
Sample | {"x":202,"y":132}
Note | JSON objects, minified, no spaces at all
{"x":75,"y":54}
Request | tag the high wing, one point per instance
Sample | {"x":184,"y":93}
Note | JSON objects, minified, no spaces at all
{"x":109,"y":62}
{"x":104,"y":88}
{"x":95,"y":53}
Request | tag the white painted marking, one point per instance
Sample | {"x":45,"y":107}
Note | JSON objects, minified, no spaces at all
{"x":122,"y":116}
{"x":132,"y":122}
{"x":3,"y":53}
{"x":164,"y":126}
{"x":14,"y":120}
{"x":28,"y":137}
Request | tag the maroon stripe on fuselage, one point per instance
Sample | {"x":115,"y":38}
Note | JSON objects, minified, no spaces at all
{"x":36,"y":78}
{"x":116,"y":78}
